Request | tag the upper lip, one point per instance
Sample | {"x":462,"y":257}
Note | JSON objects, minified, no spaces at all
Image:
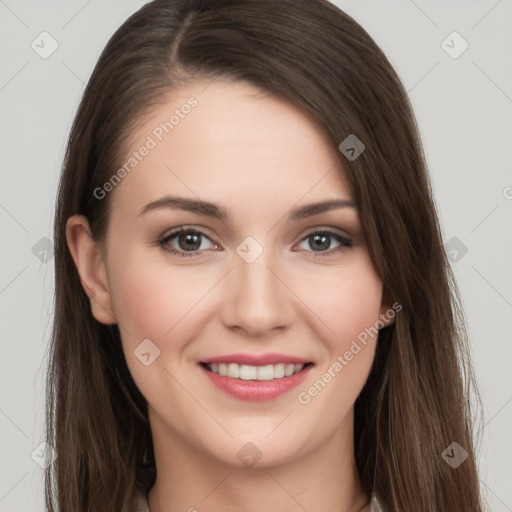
{"x":256,"y":360}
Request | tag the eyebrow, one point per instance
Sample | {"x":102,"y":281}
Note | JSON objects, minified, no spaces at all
{"x":218,"y":212}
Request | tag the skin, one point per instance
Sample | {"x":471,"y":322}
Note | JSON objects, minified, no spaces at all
{"x":258,"y":157}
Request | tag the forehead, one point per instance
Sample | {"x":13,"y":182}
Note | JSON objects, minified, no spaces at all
{"x":227,"y":140}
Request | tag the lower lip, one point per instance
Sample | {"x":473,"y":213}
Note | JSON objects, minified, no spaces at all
{"x":256,"y":390}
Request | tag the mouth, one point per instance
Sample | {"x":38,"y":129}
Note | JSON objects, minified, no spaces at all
{"x":256,"y":373}
{"x":256,"y":382}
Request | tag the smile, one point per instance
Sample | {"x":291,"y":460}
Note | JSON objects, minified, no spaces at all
{"x":255,"y":382}
{"x":246,"y":372}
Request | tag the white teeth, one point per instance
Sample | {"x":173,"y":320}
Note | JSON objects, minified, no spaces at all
{"x":289,"y":369}
{"x":266,"y":372}
{"x":279,"y":371}
{"x":246,"y":372}
{"x":233,"y":370}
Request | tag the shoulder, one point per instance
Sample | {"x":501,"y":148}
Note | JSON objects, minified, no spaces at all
{"x":376,"y":505}
{"x":140,"y":503}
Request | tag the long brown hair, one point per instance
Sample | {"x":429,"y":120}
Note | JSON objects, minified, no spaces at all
{"x":416,"y":401}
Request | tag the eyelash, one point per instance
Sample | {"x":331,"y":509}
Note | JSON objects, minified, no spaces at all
{"x":343,"y":241}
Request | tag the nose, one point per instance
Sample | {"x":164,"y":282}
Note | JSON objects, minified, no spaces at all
{"x":257,"y":299}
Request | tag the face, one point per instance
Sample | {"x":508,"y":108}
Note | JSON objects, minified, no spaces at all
{"x":253,"y":278}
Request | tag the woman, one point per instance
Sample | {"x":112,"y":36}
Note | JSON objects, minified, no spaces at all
{"x":253,"y":305}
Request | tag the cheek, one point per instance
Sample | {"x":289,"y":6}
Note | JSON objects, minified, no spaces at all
{"x":348,"y":307}
{"x":157,"y":303}
{"x":348,"y":303}
{"x":351,"y":308}
{"x":151,"y":300}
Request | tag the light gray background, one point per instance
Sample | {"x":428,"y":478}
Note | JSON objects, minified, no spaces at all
{"x":464,"y":110}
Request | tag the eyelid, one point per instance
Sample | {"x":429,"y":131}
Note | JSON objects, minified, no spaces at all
{"x":331,"y":229}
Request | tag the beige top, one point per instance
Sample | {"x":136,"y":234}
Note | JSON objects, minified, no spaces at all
{"x":141,"y":504}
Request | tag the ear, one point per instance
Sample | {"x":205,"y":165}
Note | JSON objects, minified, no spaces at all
{"x":88,"y":257}
{"x":388,"y":308}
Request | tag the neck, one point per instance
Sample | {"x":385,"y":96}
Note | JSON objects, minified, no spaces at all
{"x":323,"y":480}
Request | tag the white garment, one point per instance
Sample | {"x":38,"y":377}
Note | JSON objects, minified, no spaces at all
{"x":141,"y":504}
{"x":374,"y":506}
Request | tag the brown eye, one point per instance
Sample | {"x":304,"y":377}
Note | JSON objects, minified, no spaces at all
{"x":322,"y":241}
{"x":186,"y":242}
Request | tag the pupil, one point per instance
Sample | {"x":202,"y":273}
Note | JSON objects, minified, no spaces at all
{"x":190,"y":241}
{"x":321,"y":241}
